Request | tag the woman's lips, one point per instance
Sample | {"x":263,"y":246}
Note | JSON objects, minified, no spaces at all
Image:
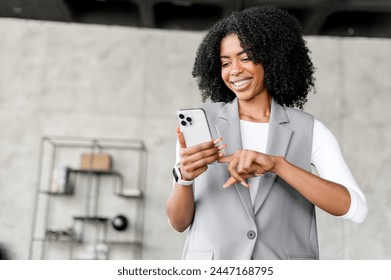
{"x":241,"y":83}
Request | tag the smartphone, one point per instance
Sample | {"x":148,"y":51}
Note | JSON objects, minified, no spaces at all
{"x":194,"y":126}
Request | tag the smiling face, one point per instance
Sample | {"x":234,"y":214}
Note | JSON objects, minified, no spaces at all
{"x":239,"y":73}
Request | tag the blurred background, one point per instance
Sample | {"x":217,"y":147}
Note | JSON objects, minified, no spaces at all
{"x":88,"y":95}
{"x":369,"y":18}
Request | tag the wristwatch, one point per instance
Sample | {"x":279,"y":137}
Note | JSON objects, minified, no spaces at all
{"x":178,"y":176}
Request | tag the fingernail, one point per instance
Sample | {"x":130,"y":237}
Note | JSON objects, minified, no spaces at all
{"x":225,"y":186}
{"x":245,"y":184}
{"x":222,"y":153}
{"x":221,"y":147}
{"x":259,"y":175}
{"x":217,"y":141}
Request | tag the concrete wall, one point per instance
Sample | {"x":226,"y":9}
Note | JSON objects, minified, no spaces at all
{"x":102,"y":81}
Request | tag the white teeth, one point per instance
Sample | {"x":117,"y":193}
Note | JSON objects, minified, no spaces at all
{"x":241,"y":83}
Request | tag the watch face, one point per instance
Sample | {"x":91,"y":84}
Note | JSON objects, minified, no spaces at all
{"x":175,"y":175}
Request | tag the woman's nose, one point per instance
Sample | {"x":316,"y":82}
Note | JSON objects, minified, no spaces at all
{"x":236,"y":69}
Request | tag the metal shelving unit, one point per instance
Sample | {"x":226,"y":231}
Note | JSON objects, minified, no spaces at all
{"x":76,"y":217}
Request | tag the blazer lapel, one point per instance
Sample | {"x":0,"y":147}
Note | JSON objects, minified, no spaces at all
{"x":277,"y":145}
{"x":228,"y":127}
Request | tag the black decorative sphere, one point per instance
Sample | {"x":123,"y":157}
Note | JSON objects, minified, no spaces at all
{"x":119,"y":222}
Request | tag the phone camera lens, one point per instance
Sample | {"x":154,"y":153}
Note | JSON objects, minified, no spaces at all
{"x":183,"y":122}
{"x":188,"y":119}
{"x":181,"y":116}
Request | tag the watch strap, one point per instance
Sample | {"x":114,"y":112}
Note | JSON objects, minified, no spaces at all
{"x":178,"y":177}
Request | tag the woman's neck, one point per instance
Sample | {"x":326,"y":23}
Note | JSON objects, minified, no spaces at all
{"x":256,"y":110}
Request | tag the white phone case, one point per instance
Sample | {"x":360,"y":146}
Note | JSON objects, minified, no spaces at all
{"x":194,"y":126}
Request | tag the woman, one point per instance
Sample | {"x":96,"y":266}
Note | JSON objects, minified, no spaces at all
{"x":258,"y":200}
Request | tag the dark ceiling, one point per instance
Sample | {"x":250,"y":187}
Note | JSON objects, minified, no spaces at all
{"x":364,"y":18}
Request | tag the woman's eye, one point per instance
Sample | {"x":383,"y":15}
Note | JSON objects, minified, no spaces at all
{"x":224,"y":64}
{"x":245,"y":59}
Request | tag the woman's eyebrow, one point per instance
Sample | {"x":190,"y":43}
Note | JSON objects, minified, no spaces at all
{"x":227,"y":56}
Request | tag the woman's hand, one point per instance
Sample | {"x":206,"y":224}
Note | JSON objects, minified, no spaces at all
{"x":195,"y":160}
{"x":329,"y":196}
{"x":245,"y":164}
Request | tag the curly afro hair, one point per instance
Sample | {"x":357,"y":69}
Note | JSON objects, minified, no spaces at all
{"x":270,"y":36}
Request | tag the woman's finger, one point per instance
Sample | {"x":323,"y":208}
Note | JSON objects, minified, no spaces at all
{"x":194,"y":173}
{"x":202,"y":154}
{"x":181,"y":138}
{"x":232,"y":181}
{"x":249,"y":164}
{"x":242,"y":159}
{"x":234,"y":173}
{"x":204,"y":161}
{"x":225,"y":159}
{"x":198,"y":148}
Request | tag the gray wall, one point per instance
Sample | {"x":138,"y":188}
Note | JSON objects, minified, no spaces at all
{"x":102,"y":81}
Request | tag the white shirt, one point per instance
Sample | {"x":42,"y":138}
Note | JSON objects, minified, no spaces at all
{"x":254,"y":137}
{"x":326,"y":157}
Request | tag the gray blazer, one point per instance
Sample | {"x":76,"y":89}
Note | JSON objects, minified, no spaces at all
{"x":282,"y":223}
